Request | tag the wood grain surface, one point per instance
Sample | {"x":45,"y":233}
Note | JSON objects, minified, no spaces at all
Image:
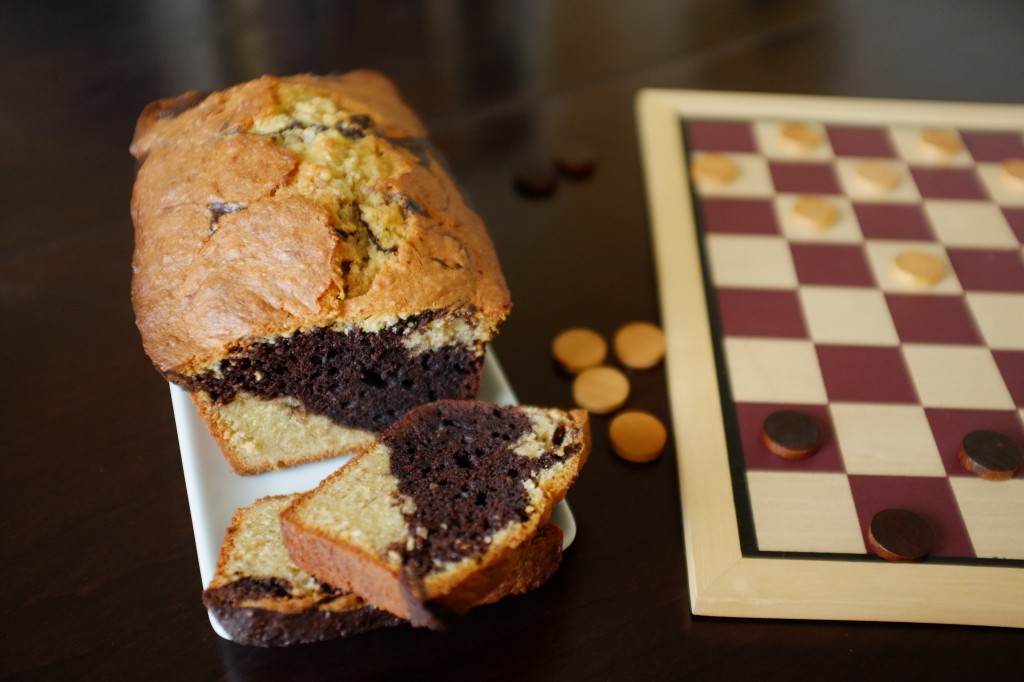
{"x":101,"y":579}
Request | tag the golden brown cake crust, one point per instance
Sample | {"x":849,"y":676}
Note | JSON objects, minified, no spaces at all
{"x":516,"y":570}
{"x":226,"y":255}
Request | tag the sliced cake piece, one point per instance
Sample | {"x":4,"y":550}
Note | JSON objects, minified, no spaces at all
{"x":262,"y":599}
{"x":429,"y":520}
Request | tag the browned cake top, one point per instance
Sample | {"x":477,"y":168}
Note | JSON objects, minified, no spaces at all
{"x":287,"y":204}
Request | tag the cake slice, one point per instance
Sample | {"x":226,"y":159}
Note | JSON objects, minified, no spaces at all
{"x":263,"y":599}
{"x":429,"y":520}
{"x":304,"y":264}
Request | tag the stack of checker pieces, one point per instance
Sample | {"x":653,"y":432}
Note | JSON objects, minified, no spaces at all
{"x":871,"y":277}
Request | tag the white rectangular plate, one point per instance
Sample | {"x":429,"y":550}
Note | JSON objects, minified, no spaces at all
{"x":215,"y":491}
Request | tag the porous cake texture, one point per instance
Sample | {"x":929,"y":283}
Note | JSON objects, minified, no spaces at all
{"x":262,"y":599}
{"x":428,"y":520}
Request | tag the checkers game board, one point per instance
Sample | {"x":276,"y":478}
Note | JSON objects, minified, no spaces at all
{"x":860,"y":262}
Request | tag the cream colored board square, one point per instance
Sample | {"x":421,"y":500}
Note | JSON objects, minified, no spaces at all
{"x":857,"y":316}
{"x":770,"y":142}
{"x":752,"y":180}
{"x":916,"y":153}
{"x":956,"y":376}
{"x":882,"y":254}
{"x":846,"y":230}
{"x":774,"y":371}
{"x":1004,"y":193}
{"x":970,"y":224}
{"x":751,"y":261}
{"x":855,"y":188}
{"x":804,"y":512}
{"x":886,"y":440}
{"x":993,"y":512}
{"x":1000,"y":317}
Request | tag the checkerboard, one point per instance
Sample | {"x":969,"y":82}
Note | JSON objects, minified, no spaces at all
{"x":819,"y":321}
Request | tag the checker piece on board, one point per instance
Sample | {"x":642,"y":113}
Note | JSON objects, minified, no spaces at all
{"x":791,"y":434}
{"x":990,"y":455}
{"x":1013,"y":174}
{"x":940,"y":144}
{"x":900,"y":535}
{"x":800,"y":137}
{"x":714,"y":169}
{"x":815,"y":212}
{"x":919,"y":268}
{"x":878,"y":177}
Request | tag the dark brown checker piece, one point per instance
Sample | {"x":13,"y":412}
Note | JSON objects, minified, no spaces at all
{"x":576,"y":160}
{"x":536,"y":179}
{"x":900,"y":535}
{"x":791,"y":434}
{"x":990,"y":455}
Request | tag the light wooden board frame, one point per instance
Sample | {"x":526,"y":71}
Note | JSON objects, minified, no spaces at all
{"x":722,"y":581}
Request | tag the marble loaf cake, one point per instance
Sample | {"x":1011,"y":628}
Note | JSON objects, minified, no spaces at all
{"x":426,"y":522}
{"x":304,"y":265}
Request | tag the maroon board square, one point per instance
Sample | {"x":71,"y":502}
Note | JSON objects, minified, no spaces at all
{"x":1015,"y":217}
{"x":931,"y":497}
{"x":833,"y":264}
{"x":743,"y":216}
{"x":860,"y":142}
{"x":993,"y":146}
{"x":721,"y":136}
{"x":759,"y":312}
{"x":1011,"y":366}
{"x":865,"y":374}
{"x":932,"y":319}
{"x":950,"y":426}
{"x":810,"y":178}
{"x":948,"y":183}
{"x":892,"y":221}
{"x":988,"y":270}
{"x":757,"y":456}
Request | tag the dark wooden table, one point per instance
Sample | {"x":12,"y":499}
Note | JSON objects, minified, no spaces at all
{"x":100,"y":577}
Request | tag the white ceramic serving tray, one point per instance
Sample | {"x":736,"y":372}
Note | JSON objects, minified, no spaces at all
{"x":215,"y":491}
